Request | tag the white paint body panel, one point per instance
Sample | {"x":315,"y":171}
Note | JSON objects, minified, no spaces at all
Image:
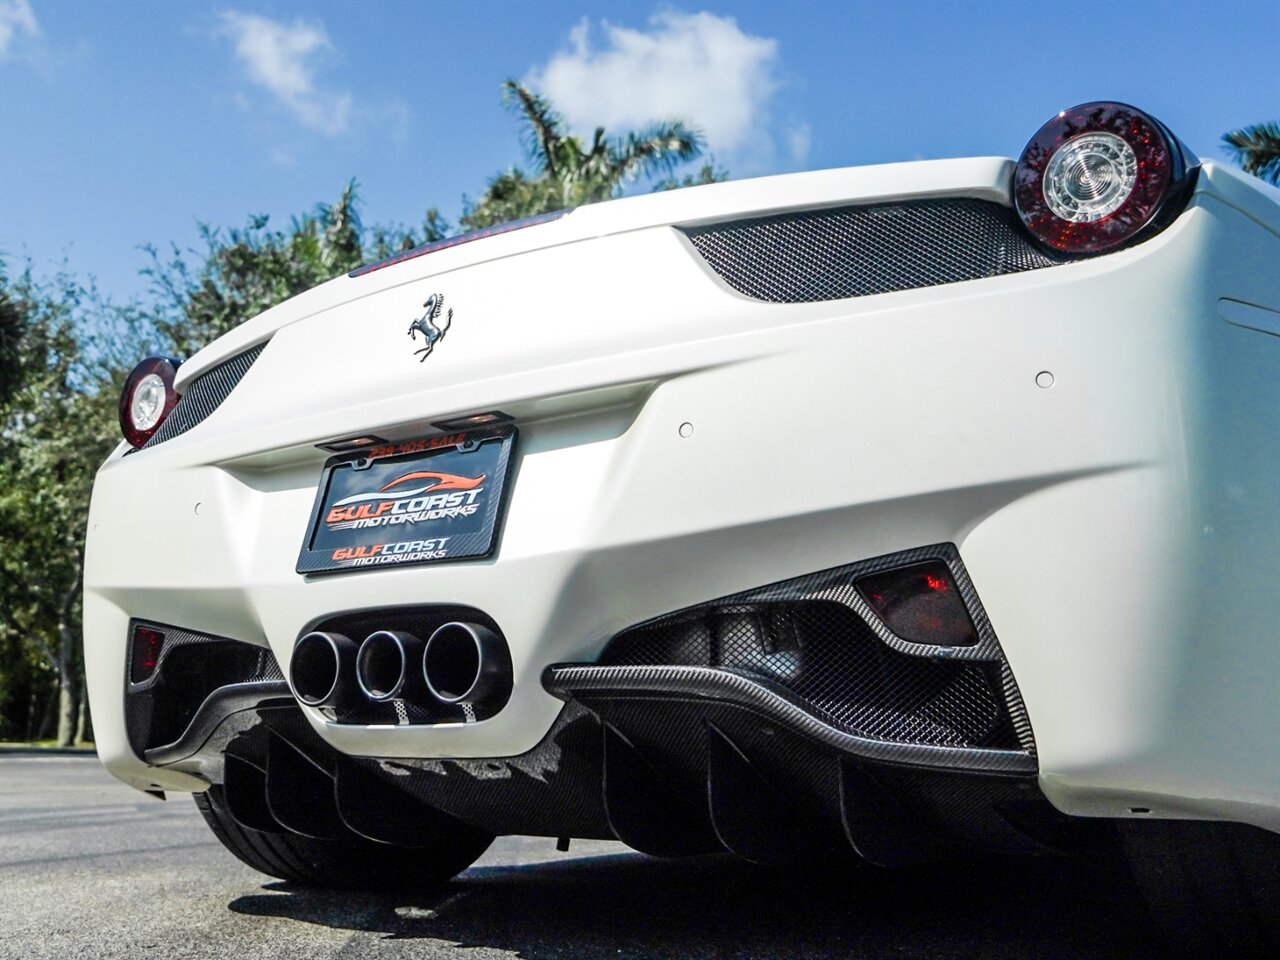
{"x":1122,"y":527}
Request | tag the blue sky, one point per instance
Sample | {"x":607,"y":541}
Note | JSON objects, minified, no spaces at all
{"x":123,"y":123}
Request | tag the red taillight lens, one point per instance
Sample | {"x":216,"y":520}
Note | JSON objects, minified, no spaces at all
{"x":145,"y":655}
{"x":1095,"y":176}
{"x":921,"y":604}
{"x":147,"y":398}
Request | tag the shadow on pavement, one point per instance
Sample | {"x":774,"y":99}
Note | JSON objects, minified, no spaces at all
{"x":632,"y":906}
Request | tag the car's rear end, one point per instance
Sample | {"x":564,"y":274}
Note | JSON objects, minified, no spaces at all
{"x":823,"y":511}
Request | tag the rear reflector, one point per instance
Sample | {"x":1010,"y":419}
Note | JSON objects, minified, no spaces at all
{"x":145,"y":654}
{"x":920,"y":604}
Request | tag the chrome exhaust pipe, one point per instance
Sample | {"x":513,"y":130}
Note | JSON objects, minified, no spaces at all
{"x":386,"y":666}
{"x":465,"y":663}
{"x":321,"y":670}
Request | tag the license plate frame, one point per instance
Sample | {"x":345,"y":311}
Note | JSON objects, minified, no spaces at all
{"x":424,"y":500}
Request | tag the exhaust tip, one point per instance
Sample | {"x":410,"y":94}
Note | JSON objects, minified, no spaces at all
{"x":318,"y":668}
{"x":465,"y":663}
{"x":383,"y":665}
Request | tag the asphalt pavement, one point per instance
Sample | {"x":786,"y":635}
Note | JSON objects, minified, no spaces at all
{"x":91,"y":868}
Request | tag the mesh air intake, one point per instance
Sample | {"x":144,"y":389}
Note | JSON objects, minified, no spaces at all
{"x":859,"y":251}
{"x":205,"y":394}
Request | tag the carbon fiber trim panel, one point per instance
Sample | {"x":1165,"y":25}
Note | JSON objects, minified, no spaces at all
{"x":823,"y":656}
{"x":860,"y":251}
{"x":1017,"y":710}
{"x":703,"y":683}
{"x":204,"y":395}
{"x":553,"y":790}
{"x":890,"y":812}
{"x":817,"y":641}
{"x":929,"y":813}
{"x":216,"y":710}
{"x":190,"y":667}
{"x":177,"y":638}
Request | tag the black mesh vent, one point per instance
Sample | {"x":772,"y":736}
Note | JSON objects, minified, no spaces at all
{"x":204,"y":395}
{"x":191,"y":666}
{"x":859,"y":251}
{"x":824,"y":654}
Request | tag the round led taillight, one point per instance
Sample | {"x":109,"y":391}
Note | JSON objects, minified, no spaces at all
{"x":147,"y":398}
{"x":1095,"y":176}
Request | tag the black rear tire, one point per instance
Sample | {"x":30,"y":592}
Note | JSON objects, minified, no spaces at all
{"x":352,"y":863}
{"x":1213,"y":887}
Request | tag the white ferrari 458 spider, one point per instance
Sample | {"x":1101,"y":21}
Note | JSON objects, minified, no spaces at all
{"x":900,"y":511}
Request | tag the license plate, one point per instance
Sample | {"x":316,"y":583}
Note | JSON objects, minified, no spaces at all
{"x":418,"y":501}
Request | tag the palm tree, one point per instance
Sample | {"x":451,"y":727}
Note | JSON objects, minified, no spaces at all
{"x":567,"y":171}
{"x":341,"y":248}
{"x":1257,"y":150}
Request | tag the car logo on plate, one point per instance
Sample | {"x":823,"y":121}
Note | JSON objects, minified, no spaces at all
{"x":432,"y":332}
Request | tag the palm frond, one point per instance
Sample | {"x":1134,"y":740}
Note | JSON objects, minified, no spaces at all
{"x":658,"y":148}
{"x":542,"y":124}
{"x":1257,"y":149}
{"x":569,"y":169}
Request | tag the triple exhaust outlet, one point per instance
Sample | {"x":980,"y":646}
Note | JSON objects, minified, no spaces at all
{"x":460,"y":664}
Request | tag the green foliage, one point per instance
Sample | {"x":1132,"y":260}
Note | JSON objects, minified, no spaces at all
{"x":57,"y":423}
{"x":386,"y":241}
{"x":12,"y":329}
{"x":569,"y":171}
{"x":241,"y":273}
{"x":707,"y":173}
{"x":1257,"y":149}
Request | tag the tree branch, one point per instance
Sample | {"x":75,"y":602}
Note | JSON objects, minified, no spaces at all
{"x":45,"y":649}
{"x":68,"y":644}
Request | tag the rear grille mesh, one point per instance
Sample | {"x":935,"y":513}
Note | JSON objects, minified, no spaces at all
{"x":859,"y":251}
{"x":205,"y":394}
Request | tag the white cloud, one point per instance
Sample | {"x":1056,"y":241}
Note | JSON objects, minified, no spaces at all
{"x":698,"y":67}
{"x":283,"y":59}
{"x":799,"y":139}
{"x":17,"y":19}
